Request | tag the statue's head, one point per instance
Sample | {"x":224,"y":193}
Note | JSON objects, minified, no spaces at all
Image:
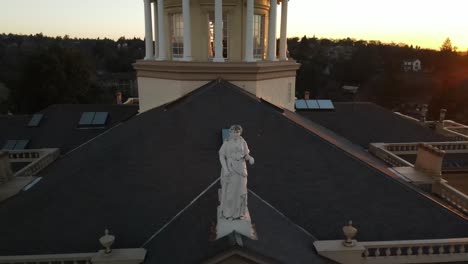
{"x":235,"y":131}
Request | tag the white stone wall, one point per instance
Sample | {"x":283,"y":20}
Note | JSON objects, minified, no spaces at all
{"x":155,"y":92}
{"x":280,"y":91}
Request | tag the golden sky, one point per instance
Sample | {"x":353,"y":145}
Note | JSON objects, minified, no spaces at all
{"x":425,"y":23}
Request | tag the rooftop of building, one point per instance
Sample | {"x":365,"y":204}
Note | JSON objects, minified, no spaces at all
{"x":152,"y":181}
{"x":363,"y":123}
{"x":59,"y":126}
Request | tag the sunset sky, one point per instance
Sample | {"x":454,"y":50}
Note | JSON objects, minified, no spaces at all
{"x":426,"y":23}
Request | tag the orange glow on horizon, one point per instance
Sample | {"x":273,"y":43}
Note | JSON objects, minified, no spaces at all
{"x":426,"y":24}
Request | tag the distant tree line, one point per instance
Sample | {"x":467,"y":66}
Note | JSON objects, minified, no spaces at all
{"x":377,"y":69}
{"x":36,"y":71}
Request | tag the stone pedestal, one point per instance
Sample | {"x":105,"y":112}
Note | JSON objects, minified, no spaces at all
{"x":243,"y":227}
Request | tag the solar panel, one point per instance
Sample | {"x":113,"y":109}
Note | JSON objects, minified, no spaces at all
{"x":225,"y":134}
{"x":312,"y":104}
{"x":10,"y":145}
{"x":21,"y":144}
{"x":301,"y":104}
{"x":326,"y":104}
{"x":100,"y":118}
{"x":86,"y":118}
{"x":35,"y":120}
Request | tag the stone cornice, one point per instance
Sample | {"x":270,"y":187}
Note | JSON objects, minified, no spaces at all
{"x":206,"y":71}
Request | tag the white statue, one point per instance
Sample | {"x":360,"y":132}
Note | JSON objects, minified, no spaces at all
{"x":232,"y":155}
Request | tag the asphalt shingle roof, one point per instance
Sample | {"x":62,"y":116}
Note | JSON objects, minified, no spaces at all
{"x":136,"y":177}
{"x":59,"y":126}
{"x":363,"y":123}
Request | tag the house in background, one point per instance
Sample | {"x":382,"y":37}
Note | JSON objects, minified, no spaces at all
{"x":412,"y":65}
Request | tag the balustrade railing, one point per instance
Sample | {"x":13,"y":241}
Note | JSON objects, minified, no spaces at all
{"x":412,"y":148}
{"x":451,"y":249}
{"x":388,"y":156}
{"x":453,"y":196}
{"x":24,"y":155}
{"x":78,"y":258}
{"x":396,"y":252}
{"x":39,"y":159}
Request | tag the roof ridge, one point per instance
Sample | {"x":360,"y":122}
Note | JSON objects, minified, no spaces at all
{"x":283,"y":215}
{"x":180,"y":212}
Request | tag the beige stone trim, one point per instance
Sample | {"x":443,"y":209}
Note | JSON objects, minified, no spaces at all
{"x":206,"y":71}
{"x":121,"y":256}
{"x":395,"y":252}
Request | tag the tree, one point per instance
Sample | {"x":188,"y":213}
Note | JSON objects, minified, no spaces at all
{"x":54,"y":75}
{"x":447,"y":45}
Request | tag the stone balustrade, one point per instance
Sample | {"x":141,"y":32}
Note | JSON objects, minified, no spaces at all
{"x":416,"y":251}
{"x":407,"y":117}
{"x":380,"y":150}
{"x":25,"y":155}
{"x":78,"y":258}
{"x":39,"y":158}
{"x":462,"y":130}
{"x":412,"y":148}
{"x":396,"y":252}
{"x":121,"y":256}
{"x":453,"y":196}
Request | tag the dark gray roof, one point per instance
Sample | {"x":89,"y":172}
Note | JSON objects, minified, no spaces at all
{"x":136,"y":177}
{"x":280,"y":240}
{"x":363,"y":123}
{"x":59,"y":126}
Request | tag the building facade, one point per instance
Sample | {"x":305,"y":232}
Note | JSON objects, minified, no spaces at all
{"x":234,"y":40}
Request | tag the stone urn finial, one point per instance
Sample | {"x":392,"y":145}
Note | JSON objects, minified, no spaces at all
{"x":350,"y":232}
{"x":107,"y":241}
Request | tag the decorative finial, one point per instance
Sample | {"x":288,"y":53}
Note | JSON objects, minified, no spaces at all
{"x":350,"y":232}
{"x":107,"y":241}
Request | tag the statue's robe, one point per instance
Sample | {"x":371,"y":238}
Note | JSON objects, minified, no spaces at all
{"x":234,"y":185}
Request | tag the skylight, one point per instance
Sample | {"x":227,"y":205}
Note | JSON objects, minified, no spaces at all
{"x":302,"y":104}
{"x":16,"y":144}
{"x":93,"y":119}
{"x":35,"y":120}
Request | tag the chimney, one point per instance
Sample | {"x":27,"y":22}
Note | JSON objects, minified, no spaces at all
{"x":429,"y":159}
{"x":442,"y":115}
{"x":423,"y":113}
{"x":6,"y":173}
{"x":306,"y":95}
{"x":119,"y":97}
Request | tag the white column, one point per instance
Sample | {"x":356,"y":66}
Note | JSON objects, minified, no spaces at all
{"x":283,"y":34}
{"x":187,"y":30}
{"x":161,"y":31}
{"x":249,"y":24}
{"x":155,"y":28}
{"x":272,"y":31}
{"x":148,"y":31}
{"x":218,"y":31}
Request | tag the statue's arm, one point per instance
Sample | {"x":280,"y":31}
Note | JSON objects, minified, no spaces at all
{"x":247,"y":154}
{"x":222,"y":159}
